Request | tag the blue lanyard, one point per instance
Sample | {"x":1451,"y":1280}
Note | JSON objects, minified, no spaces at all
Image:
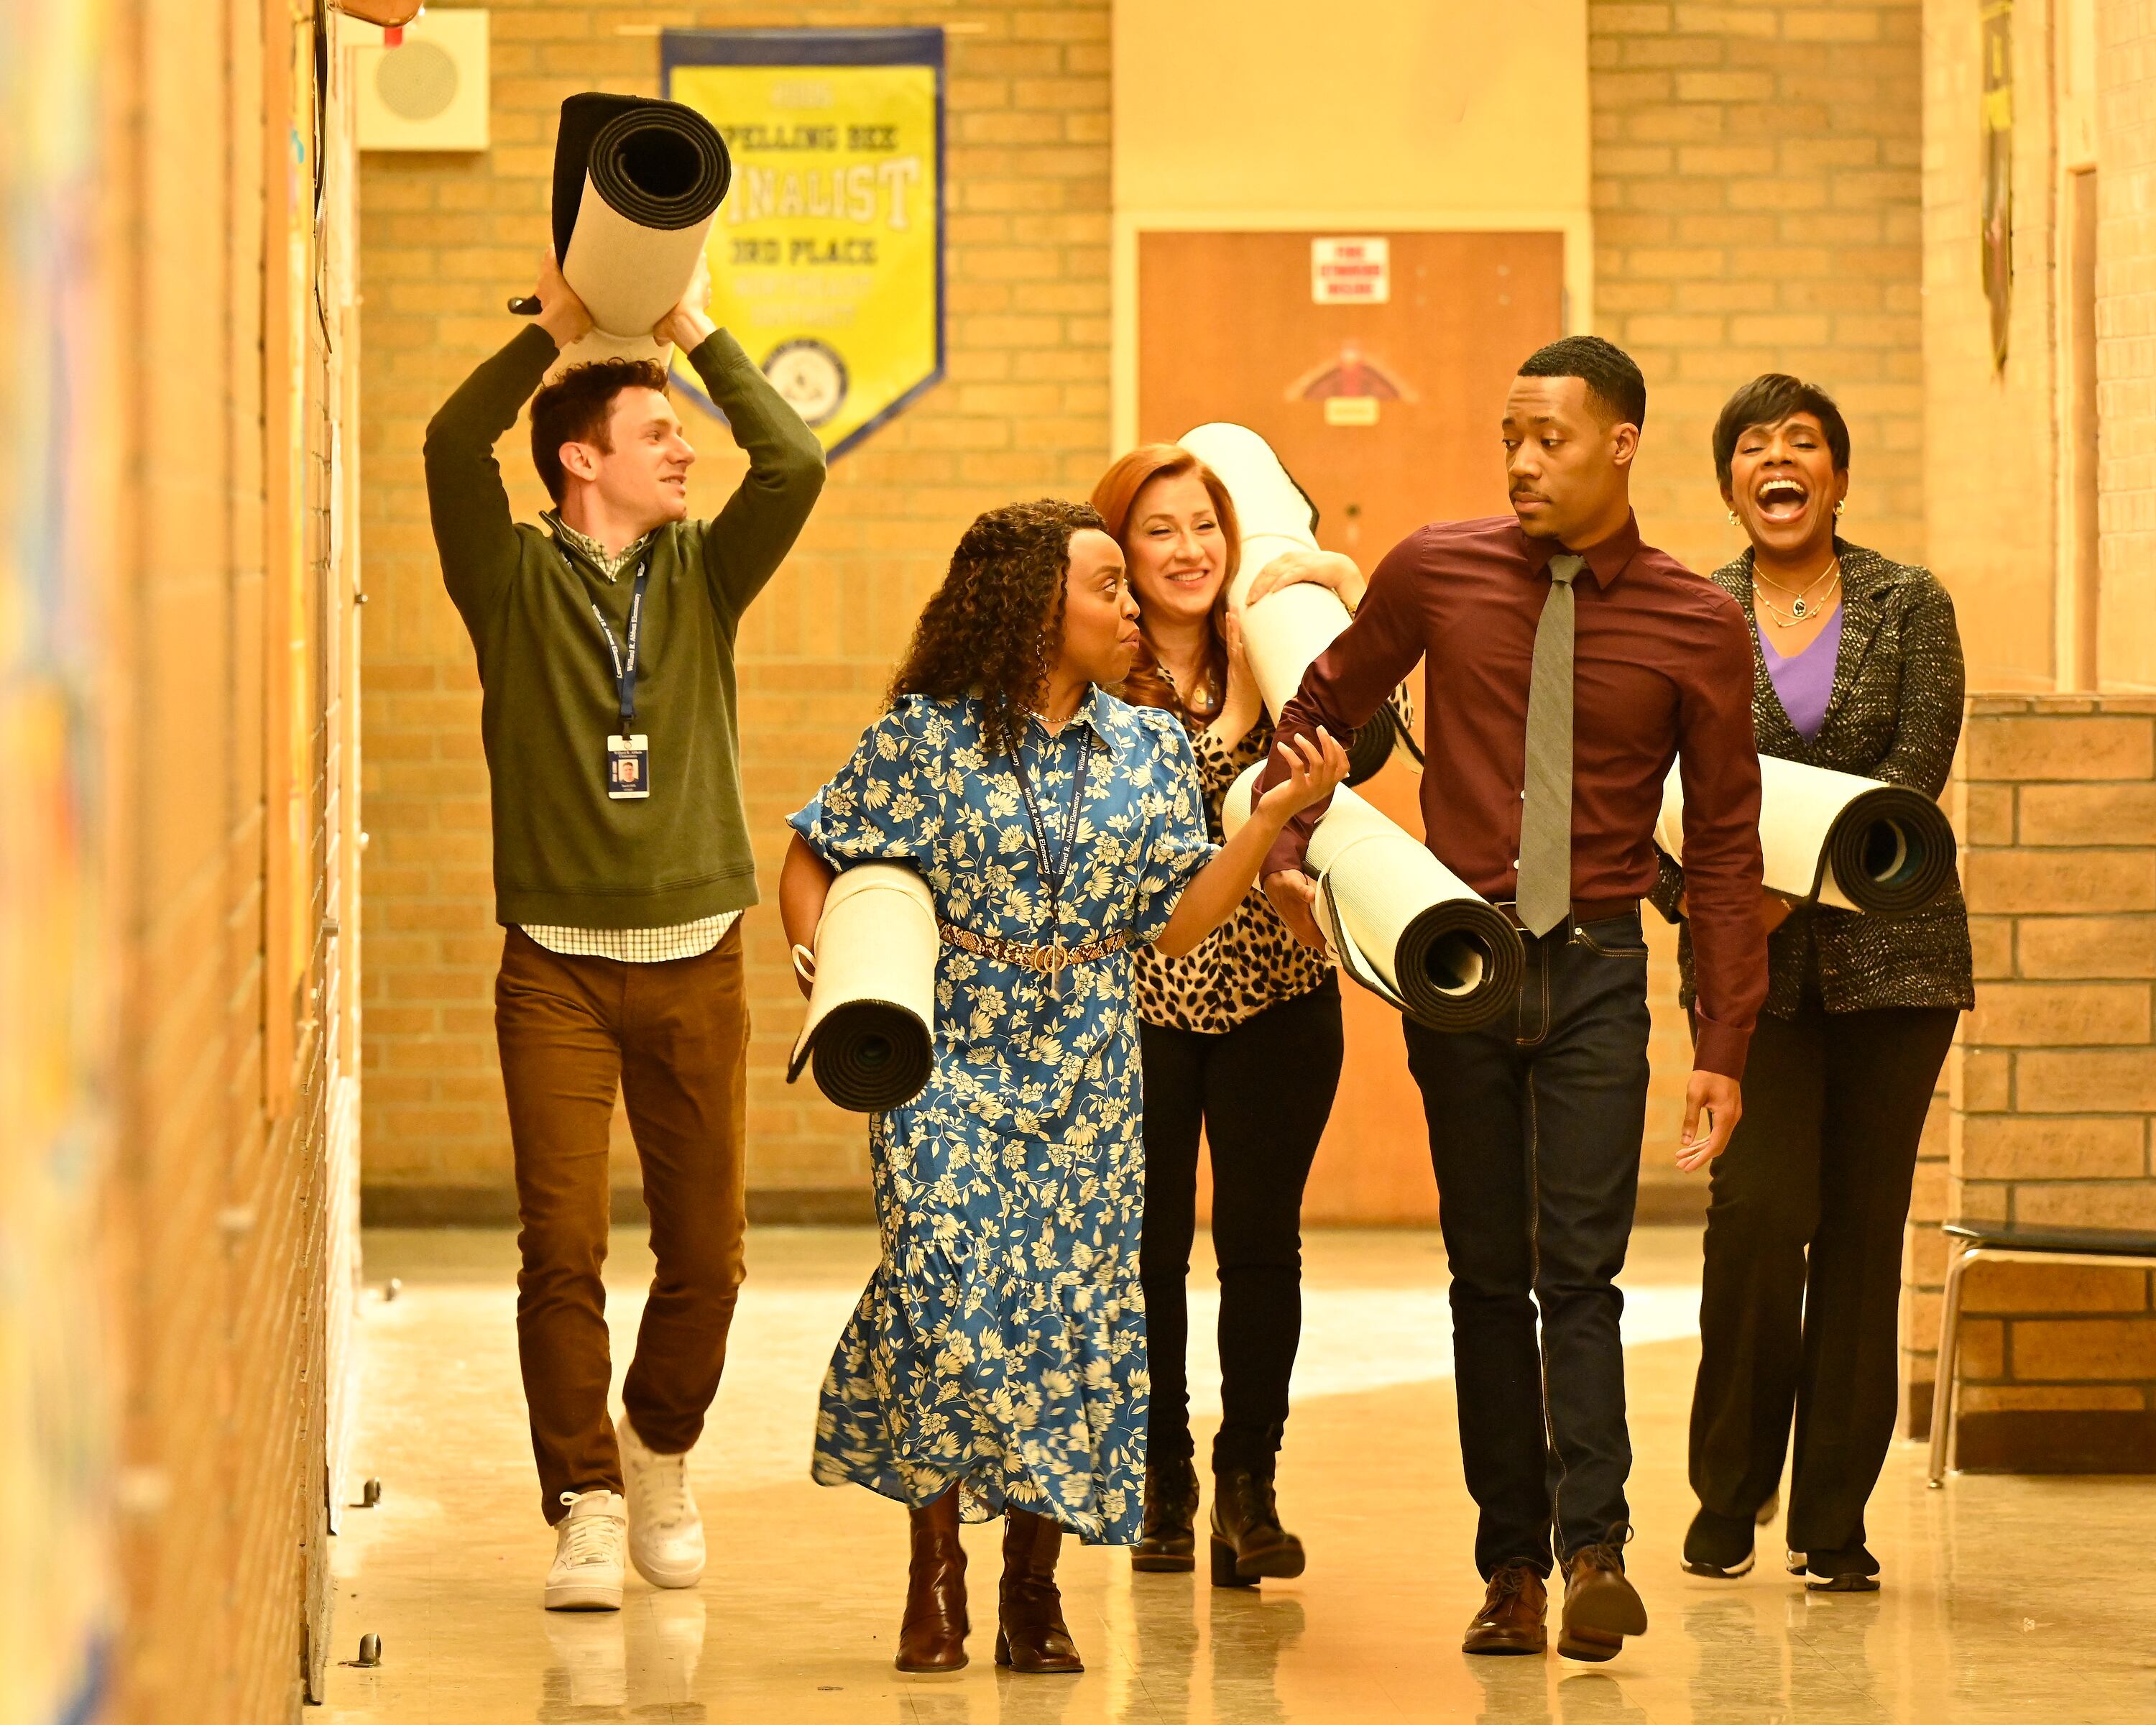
{"x":1053,"y":871}
{"x":625,"y":666}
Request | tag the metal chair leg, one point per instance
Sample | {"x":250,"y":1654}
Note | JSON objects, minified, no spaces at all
{"x":1942,"y":1386}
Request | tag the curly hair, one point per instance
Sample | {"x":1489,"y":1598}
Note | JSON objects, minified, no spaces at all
{"x":995,"y":624}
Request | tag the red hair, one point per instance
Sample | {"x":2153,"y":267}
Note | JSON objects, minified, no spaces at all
{"x":1114,"y":496}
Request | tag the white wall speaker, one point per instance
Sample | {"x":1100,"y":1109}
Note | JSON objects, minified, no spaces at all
{"x":429,"y":92}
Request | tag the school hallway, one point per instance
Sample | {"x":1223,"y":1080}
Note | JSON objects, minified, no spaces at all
{"x":2001,"y":1596}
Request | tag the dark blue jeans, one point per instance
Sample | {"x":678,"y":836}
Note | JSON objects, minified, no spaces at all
{"x":1535,"y":1128}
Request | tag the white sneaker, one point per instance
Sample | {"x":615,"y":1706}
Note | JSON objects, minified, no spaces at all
{"x":587,"y":1542}
{"x":665,"y":1533}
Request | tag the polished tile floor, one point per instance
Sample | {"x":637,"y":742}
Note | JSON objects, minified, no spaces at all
{"x":2004,"y":1599}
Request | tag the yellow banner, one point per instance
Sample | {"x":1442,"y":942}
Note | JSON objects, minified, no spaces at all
{"x":827,"y":257}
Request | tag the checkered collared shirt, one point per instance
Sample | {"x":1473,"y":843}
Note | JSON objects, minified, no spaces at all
{"x":637,"y":946}
{"x":611,"y":564}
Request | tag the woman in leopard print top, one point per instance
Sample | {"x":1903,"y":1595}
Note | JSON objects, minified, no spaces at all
{"x":1242,"y":1041}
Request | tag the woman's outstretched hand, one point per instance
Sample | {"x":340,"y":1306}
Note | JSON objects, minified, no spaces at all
{"x":1316,"y":765}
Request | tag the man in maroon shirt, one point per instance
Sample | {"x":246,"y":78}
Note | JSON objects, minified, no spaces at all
{"x":1569,"y":665}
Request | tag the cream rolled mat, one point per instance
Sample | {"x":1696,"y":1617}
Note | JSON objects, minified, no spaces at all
{"x":1398,"y":920}
{"x":1837,"y":839}
{"x":1283,"y":632}
{"x":637,"y":183}
{"x":871,"y":1024}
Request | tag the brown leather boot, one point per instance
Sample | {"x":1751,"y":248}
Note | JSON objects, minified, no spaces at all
{"x":1512,"y":1617}
{"x":1030,"y":1635}
{"x":1601,"y":1607}
{"x":933,"y":1637}
{"x":1168,"y":1545}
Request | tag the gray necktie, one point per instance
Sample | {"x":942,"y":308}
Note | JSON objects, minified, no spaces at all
{"x":1545,"y":889}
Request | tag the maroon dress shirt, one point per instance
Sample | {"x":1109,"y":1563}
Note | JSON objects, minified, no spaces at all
{"x":1662,"y":673}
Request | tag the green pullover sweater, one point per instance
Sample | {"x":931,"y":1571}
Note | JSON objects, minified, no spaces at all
{"x":565,"y":852}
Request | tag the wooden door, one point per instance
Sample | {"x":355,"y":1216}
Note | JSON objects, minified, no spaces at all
{"x":1387,"y":414}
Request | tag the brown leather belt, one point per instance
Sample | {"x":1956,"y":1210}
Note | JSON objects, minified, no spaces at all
{"x":1046,"y":960}
{"x":1593,"y":909}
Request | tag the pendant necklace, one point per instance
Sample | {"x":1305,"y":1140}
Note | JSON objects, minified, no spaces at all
{"x":1802,"y":608}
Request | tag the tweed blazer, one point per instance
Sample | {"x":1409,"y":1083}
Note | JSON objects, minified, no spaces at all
{"x":1894,"y":715}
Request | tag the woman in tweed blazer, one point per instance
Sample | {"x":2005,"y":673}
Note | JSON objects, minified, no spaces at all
{"x":1856,"y":665}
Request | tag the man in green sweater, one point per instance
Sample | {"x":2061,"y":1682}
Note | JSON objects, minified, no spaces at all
{"x":621,"y":866}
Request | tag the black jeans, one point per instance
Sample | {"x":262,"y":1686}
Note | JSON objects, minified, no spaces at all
{"x":1261,"y":1093}
{"x":1535,"y":1126}
{"x":1833,"y":1106}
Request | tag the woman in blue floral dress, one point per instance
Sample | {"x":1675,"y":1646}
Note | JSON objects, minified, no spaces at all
{"x":996,"y":1364}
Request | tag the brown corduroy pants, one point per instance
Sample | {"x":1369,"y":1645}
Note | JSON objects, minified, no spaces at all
{"x":674,"y":1038}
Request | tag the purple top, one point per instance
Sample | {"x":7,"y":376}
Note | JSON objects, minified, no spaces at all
{"x":1805,"y":681}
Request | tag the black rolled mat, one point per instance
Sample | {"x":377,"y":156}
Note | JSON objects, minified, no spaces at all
{"x":1458,"y":965}
{"x":1372,"y":746}
{"x":1891,"y":851}
{"x":658,"y":164}
{"x":870,"y":1056}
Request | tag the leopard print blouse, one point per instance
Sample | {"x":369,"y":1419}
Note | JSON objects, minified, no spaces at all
{"x":1250,"y":961}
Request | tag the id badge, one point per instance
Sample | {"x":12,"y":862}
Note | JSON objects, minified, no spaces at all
{"x":629,"y":767}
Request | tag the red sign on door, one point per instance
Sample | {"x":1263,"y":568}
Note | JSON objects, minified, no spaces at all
{"x":1356,"y":272}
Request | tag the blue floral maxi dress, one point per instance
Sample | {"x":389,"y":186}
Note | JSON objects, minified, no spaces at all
{"x":1000,"y":1344}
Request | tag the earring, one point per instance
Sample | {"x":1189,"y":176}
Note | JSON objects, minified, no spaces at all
{"x":1732,"y":517}
{"x":1841,"y":507}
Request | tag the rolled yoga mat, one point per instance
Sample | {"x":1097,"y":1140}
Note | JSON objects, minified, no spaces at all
{"x":1283,"y":632}
{"x":1399,"y":921}
{"x":1839,"y":839}
{"x":871,"y":1024}
{"x":636,"y":184}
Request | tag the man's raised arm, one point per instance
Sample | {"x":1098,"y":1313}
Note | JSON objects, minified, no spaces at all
{"x":744,"y":544}
{"x":465,"y":497}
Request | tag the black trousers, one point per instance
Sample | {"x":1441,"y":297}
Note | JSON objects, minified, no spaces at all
{"x":1261,"y":1094}
{"x":1803,"y":1281}
{"x":1535,"y":1125}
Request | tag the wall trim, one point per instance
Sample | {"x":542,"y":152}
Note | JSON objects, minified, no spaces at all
{"x":2060,"y":1440}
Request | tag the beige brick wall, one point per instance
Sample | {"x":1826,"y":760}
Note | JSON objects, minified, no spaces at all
{"x":2055,"y":1080}
{"x":217,"y":1205}
{"x":2126,"y":341}
{"x":1990,"y":468}
{"x":2054,"y":1084}
{"x":1756,"y":190}
{"x":1022,"y":411}
{"x":1757,"y":201}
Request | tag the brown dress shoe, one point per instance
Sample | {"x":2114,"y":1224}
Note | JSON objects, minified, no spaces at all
{"x":1030,"y":1635}
{"x":1601,"y":1607}
{"x":933,"y":1637}
{"x":1512,"y":1618}
{"x":1167,"y":1543}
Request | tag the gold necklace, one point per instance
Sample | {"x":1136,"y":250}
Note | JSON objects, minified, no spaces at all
{"x":1198,"y":702}
{"x":1803,"y":607}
